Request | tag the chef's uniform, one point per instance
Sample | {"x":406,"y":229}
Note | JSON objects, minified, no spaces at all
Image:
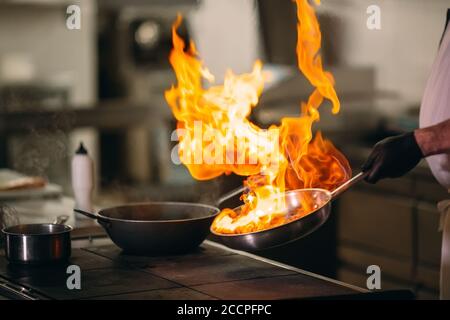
{"x":435,"y":108}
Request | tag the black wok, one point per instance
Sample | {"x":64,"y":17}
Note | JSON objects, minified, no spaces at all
{"x":156,"y":227}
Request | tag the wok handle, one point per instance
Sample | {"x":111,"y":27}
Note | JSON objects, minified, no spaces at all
{"x":346,"y":185}
{"x":87,"y":214}
{"x":231,"y":194}
{"x":103,"y":221}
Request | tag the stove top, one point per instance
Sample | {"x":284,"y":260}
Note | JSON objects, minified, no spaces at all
{"x":210,"y":272}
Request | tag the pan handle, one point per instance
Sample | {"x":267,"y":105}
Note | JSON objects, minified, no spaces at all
{"x":87,"y":214}
{"x":242,"y":189}
{"x":335,"y":193}
{"x":346,"y":185}
{"x":104,"y":222}
{"x":231,"y":194}
{"x":62,"y":219}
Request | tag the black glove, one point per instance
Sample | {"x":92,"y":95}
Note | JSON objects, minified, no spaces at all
{"x":392,"y":157}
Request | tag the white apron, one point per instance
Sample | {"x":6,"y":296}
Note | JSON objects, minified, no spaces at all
{"x":444,"y":208}
{"x":435,"y":108}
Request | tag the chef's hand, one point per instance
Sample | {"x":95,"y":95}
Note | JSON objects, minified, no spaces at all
{"x":392,"y":157}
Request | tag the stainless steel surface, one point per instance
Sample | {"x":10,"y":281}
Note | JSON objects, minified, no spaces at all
{"x":285,"y":266}
{"x":18,"y":292}
{"x":38,"y":243}
{"x":295,"y":229}
{"x":156,"y":227}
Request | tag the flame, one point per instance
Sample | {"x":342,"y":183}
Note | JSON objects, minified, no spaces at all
{"x":216,"y":136}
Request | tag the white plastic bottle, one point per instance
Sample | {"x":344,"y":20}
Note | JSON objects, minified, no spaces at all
{"x":82,"y":180}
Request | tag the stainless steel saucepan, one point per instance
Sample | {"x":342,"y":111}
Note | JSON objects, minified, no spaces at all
{"x":296,"y":229}
{"x":38,"y":243}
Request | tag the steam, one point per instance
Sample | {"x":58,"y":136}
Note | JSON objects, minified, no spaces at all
{"x":8,"y":217}
{"x":44,"y":152}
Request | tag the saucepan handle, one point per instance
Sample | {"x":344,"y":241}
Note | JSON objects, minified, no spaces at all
{"x":62,"y":219}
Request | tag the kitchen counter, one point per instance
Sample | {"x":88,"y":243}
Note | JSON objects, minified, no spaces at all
{"x":211,"y":272}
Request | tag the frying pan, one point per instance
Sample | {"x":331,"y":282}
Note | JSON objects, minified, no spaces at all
{"x":295,"y":229}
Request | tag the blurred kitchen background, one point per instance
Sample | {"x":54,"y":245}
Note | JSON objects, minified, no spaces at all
{"x":104,"y":85}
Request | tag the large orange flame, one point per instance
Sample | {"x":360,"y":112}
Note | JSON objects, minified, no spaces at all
{"x":216,"y":136}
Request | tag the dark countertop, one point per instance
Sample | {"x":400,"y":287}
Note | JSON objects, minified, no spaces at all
{"x":211,"y":272}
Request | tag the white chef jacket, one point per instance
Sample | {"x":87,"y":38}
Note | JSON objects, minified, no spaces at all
{"x":435,"y":108}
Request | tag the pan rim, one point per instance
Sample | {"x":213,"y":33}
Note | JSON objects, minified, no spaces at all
{"x":5,"y":231}
{"x":192,"y":204}
{"x":236,"y":235}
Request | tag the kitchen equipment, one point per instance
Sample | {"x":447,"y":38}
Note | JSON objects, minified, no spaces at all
{"x":156,"y":227}
{"x":295,"y":229}
{"x":38,"y":243}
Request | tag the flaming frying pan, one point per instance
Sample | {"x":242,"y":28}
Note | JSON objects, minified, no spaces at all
{"x":295,"y":229}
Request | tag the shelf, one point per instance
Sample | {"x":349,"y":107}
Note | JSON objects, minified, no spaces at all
{"x":36,"y":3}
